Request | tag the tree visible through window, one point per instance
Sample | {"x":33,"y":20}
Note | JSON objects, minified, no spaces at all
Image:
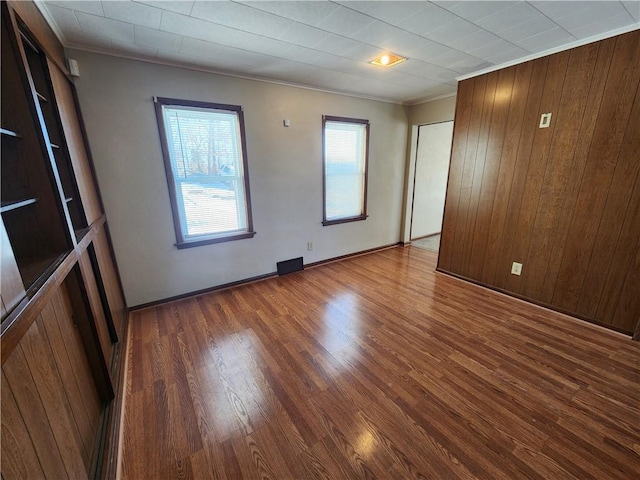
{"x":205,"y":160}
{"x":345,"y":157}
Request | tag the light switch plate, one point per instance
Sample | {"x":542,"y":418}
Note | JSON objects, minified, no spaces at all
{"x":516,"y":268}
{"x":545,"y":120}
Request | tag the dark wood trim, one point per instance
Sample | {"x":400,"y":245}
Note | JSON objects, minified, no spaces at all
{"x":113,"y":259}
{"x":113,"y":334}
{"x":177,"y":102}
{"x":212,"y":240}
{"x":636,"y":335}
{"x":363,"y":216}
{"x":16,"y":324}
{"x":164,"y":144}
{"x":224,"y":286}
{"x":111,"y":441}
{"x":355,"y":254}
{"x":534,"y":302}
{"x":344,"y":220}
{"x":181,"y":241}
{"x":85,"y":139}
{"x":257,"y":278}
{"x":331,"y":118}
{"x":43,"y":35}
{"x":86,"y":321}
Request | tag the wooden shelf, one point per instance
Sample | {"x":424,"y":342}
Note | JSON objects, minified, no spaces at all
{"x":9,"y":133}
{"x":12,"y":205}
{"x":28,"y":43}
{"x":41,"y":97}
{"x":32,"y":269}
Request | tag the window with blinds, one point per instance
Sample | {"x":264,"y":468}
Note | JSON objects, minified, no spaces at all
{"x":206,"y":164}
{"x":345,"y":159}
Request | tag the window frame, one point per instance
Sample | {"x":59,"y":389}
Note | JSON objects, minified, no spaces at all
{"x":363,"y":215}
{"x":181,"y":241}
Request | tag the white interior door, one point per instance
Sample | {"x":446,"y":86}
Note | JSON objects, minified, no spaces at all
{"x":432,"y":168}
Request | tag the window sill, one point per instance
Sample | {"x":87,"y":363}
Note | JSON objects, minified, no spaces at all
{"x":209,"y":241}
{"x":337,"y":221}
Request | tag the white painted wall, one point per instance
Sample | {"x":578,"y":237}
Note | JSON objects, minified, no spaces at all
{"x":285,"y":169}
{"x":432,"y":169}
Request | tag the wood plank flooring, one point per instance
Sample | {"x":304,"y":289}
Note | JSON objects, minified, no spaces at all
{"x":376,"y":367}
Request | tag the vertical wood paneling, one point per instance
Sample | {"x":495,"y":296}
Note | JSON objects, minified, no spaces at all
{"x":489,"y":177}
{"x":51,"y":409}
{"x":466,"y":176}
{"x":511,"y":241}
{"x":33,"y":413}
{"x":76,"y":380}
{"x":464,"y":102}
{"x":563,"y":200}
{"x":478,"y":167}
{"x":620,"y":205}
{"x":560,"y":173}
{"x":548,"y":206}
{"x":39,"y":356}
{"x":538,"y":159}
{"x":629,"y":303}
{"x":613,"y":119}
{"x":19,"y":458}
{"x":590,"y":116}
{"x":512,"y":136}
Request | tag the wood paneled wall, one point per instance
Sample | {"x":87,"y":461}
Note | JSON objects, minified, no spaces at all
{"x":565,"y":200}
{"x":51,"y":411}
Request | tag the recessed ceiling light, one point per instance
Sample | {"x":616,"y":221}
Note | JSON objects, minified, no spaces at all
{"x":387,"y":60}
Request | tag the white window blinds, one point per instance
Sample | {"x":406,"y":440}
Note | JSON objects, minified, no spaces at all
{"x":345,"y":162}
{"x":205,"y":151}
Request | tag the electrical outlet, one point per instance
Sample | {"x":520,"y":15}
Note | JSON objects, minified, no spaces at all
{"x":309,"y":246}
{"x":516,"y":268}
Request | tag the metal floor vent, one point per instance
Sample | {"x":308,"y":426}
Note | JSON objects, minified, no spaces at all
{"x":290,"y":266}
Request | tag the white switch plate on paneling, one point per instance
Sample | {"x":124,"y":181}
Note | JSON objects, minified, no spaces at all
{"x":516,"y":268}
{"x":545,"y":120}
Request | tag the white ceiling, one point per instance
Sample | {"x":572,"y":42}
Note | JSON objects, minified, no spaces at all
{"x":327,"y":44}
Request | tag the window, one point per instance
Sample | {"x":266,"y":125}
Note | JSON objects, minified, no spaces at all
{"x":205,"y":160}
{"x":345,"y":153}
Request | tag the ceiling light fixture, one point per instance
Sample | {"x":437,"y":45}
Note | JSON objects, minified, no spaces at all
{"x":387,"y":60}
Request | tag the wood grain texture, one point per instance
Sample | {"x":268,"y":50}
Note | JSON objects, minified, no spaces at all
{"x":97,"y":308}
{"x":110,"y":280}
{"x":376,"y":367}
{"x":561,"y":200}
{"x":51,"y":411}
{"x":29,"y":13}
{"x":65,"y":100}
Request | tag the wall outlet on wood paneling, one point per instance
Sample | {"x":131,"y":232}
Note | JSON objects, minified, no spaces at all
{"x":516,"y":268}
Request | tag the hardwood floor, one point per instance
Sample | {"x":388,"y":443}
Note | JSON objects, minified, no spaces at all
{"x":376,"y":367}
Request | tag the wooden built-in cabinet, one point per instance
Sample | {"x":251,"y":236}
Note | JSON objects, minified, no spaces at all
{"x":64,"y":319}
